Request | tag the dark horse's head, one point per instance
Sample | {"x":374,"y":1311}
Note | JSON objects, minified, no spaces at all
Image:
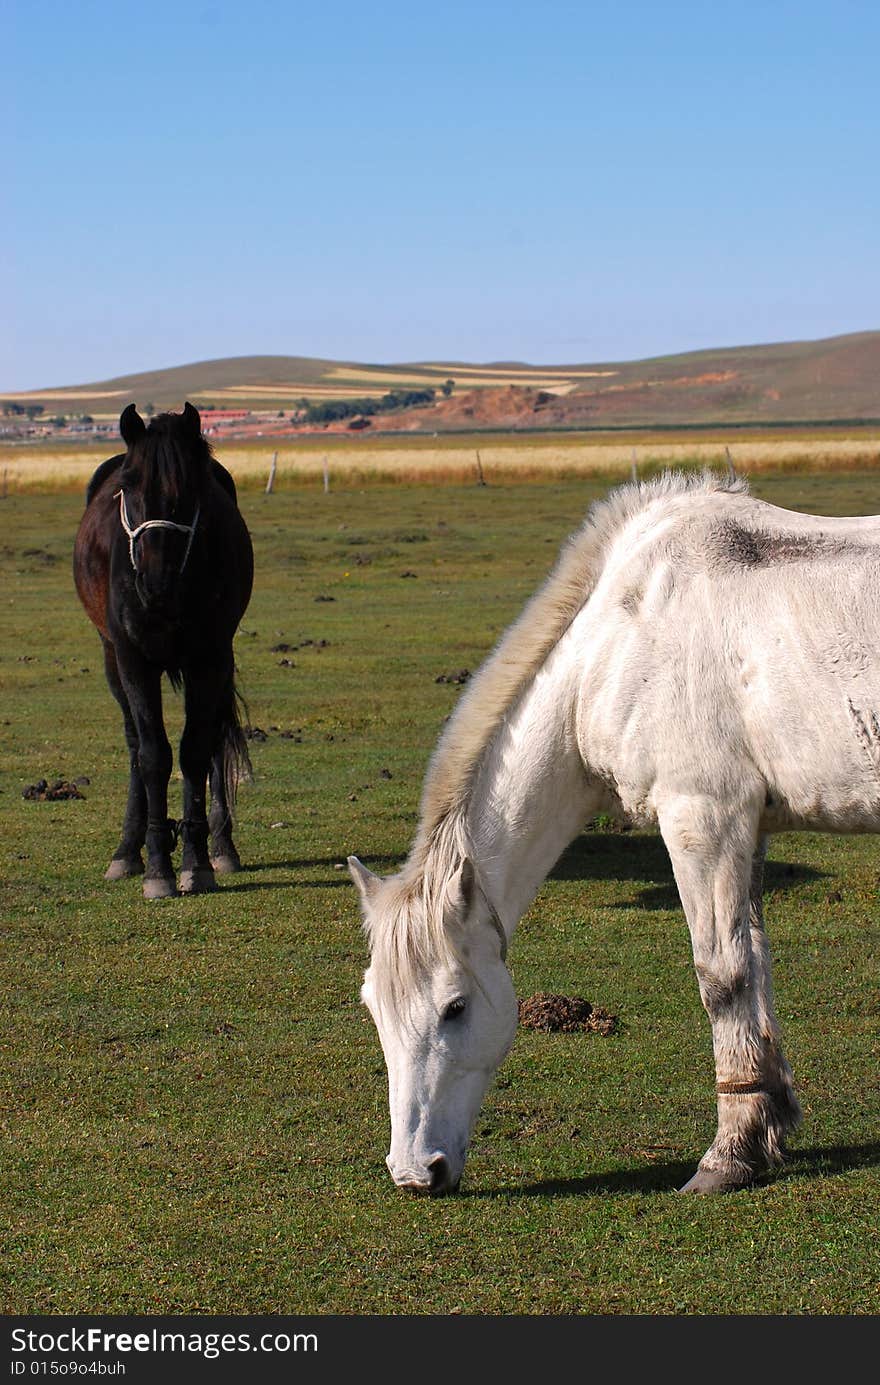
{"x":163,"y":484}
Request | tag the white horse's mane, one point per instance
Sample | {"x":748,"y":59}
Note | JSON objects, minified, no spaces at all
{"x":409,"y":929}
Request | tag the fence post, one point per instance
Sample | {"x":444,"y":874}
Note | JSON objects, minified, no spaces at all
{"x":271,"y":481}
{"x":481,"y":480}
{"x":326,"y":477}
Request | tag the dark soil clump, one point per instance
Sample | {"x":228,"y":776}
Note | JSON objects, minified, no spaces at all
{"x":564,"y":1013}
{"x":44,"y":792}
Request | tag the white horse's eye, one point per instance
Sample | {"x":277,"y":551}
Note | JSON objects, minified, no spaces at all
{"x":454,"y":1008}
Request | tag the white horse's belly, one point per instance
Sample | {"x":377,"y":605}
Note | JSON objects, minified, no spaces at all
{"x":822,"y":767}
{"x":710,"y":690}
{"x":811,"y":711}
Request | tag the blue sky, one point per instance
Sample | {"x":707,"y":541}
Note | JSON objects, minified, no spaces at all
{"x":484,"y":181}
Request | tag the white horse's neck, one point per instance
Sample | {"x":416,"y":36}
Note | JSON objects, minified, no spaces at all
{"x":532,"y":794}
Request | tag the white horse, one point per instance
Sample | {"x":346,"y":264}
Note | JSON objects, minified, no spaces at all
{"x":697,"y":660}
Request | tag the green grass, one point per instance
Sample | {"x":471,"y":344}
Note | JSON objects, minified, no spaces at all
{"x":194,"y":1106}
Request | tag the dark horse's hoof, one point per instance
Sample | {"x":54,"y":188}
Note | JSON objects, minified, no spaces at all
{"x":200,"y":880}
{"x":227,"y":864}
{"x":123,"y":866}
{"x":160,"y":887}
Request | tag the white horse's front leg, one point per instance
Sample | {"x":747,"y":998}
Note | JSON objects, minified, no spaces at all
{"x":718,"y":867}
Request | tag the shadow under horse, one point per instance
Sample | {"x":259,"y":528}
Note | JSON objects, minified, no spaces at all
{"x":163,"y":564}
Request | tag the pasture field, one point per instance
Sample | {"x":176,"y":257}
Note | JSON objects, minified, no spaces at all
{"x":194,"y":1114}
{"x":408,"y":459}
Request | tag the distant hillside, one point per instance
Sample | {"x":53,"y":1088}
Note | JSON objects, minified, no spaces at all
{"x":834,"y":379}
{"x":837,"y":378}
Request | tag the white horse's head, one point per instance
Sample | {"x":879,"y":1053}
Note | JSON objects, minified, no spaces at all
{"x":443,"y":1002}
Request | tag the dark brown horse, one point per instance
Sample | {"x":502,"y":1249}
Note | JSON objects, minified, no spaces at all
{"x":163,"y":565}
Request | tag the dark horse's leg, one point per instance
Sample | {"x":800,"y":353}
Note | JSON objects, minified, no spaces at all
{"x":127,"y":858}
{"x":224,"y":856}
{"x":141,"y":683}
{"x":207,"y":692}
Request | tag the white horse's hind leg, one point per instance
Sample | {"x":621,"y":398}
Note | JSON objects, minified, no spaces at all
{"x":718,"y":867}
{"x":777,"y":1074}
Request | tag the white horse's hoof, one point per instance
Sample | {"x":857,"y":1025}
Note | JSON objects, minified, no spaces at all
{"x":121,"y":867}
{"x":197,"y":881}
{"x":713,"y":1181}
{"x":160,"y":887}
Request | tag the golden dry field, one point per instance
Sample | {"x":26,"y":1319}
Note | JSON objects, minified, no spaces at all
{"x":456,"y":458}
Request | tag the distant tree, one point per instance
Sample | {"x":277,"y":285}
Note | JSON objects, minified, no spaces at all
{"x":280,"y":413}
{"x":86,"y":418}
{"x":149,"y":410}
{"x":406,"y":399}
{"x":59,"y":420}
{"x":337,"y":409}
{"x":447,"y":387}
{"x":33,"y":410}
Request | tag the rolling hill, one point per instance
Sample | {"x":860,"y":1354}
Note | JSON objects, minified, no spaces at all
{"x":834,"y":379}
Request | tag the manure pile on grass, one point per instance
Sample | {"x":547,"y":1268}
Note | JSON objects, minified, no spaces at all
{"x":564,"y":1013}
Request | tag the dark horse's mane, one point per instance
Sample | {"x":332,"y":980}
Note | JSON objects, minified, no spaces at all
{"x":169,"y":456}
{"x":158,"y":460}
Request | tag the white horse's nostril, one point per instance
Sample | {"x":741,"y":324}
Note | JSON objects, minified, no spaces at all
{"x":438,"y":1168}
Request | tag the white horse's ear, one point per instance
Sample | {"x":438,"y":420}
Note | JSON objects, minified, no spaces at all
{"x":367,"y":883}
{"x":462,"y":886}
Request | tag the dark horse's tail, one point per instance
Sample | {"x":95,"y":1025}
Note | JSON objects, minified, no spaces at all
{"x":233,"y":746}
{"x":232,"y":741}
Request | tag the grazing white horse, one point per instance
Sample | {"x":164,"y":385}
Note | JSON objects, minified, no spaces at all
{"x":698,"y":660}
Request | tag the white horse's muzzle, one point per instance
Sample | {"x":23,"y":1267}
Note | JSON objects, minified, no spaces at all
{"x":435,"y":1177}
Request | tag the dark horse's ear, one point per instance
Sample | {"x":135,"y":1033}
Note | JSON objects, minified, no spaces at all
{"x":131,"y":425}
{"x":193,"y":421}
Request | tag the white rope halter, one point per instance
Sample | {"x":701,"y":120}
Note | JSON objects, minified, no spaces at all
{"x":134,"y":534}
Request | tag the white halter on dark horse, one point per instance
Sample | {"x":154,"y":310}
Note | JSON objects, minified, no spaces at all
{"x":698,"y":660}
